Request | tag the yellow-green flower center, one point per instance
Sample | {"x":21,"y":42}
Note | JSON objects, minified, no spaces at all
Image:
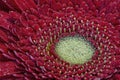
{"x":74,"y":50}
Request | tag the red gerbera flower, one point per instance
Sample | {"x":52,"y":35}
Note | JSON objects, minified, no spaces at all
{"x":60,"y":40}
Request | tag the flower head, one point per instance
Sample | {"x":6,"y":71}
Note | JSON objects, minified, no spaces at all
{"x":60,"y":40}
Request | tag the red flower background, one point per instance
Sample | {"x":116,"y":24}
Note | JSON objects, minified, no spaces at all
{"x":24,"y":23}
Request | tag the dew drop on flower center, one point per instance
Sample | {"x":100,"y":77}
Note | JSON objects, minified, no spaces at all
{"x":74,"y":49}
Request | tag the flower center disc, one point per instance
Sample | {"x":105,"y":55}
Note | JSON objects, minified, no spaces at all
{"x":75,"y":50}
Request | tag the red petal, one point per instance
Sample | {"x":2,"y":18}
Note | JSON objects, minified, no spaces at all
{"x":7,"y":68}
{"x":3,"y":36}
{"x":11,"y":4}
{"x":25,"y":4}
{"x":116,"y":77}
